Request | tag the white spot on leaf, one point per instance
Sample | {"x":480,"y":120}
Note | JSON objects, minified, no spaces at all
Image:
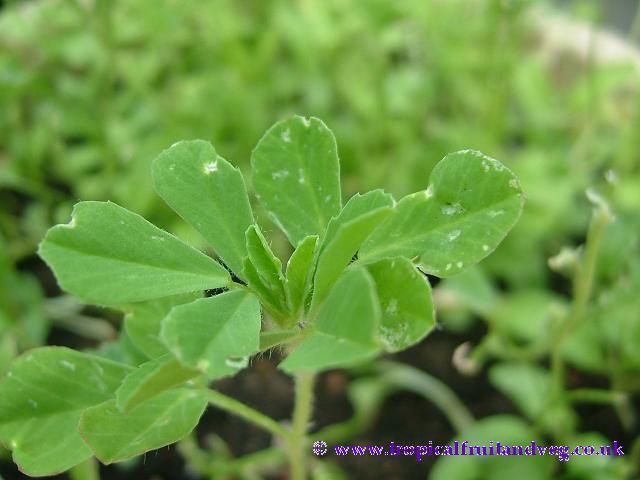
{"x":448,"y":267}
{"x":237,"y":363}
{"x":453,"y":209}
{"x":453,"y":234}
{"x":394,"y":337}
{"x":392,"y":307}
{"x":429,"y":191}
{"x":286,"y":136}
{"x":460,"y":264}
{"x":300,"y":176}
{"x":495,"y":213}
{"x":485,"y":248}
{"x":68,"y":365}
{"x":280,"y":174}
{"x":211,"y":167}
{"x":306,"y":122}
{"x":513,"y":183}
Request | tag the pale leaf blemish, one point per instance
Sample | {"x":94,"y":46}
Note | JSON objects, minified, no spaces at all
{"x":513,"y":183}
{"x":392,"y":307}
{"x":172,"y":167}
{"x":211,"y":167}
{"x":485,"y":247}
{"x":453,"y":234}
{"x":306,"y":121}
{"x":203,"y":365}
{"x":157,"y":238}
{"x":300,"y":176}
{"x":280,"y":174}
{"x":395,"y":337}
{"x":68,"y":365}
{"x":33,"y":403}
{"x":429,"y":191}
{"x":485,"y":165}
{"x":13,"y":444}
{"x":286,"y":136}
{"x":98,"y":368}
{"x":237,"y":363}
{"x":453,"y":209}
{"x":495,"y":213}
{"x":448,"y":267}
{"x":327,"y":199}
{"x":460,"y":264}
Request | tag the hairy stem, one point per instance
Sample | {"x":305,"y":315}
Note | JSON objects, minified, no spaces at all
{"x":301,"y":415}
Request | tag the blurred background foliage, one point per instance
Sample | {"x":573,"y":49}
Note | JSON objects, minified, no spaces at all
{"x":92,"y":90}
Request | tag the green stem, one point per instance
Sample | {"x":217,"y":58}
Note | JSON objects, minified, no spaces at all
{"x":239,"y":409}
{"x":594,"y":395}
{"x":301,"y":415}
{"x":583,"y":285}
{"x":417,"y":381}
{"x":87,"y":470}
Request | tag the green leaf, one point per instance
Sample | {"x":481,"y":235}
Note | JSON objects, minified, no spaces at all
{"x":269,"y":299}
{"x":266,"y":264}
{"x":277,"y":337}
{"x":296,"y":175}
{"x":108,"y":255}
{"x":115,"y":436}
{"x":357,"y":206}
{"x":299,"y":273}
{"x":41,"y":400}
{"x":471,"y":203}
{"x":151,"y":379}
{"x":405,"y":300}
{"x":529,"y":386}
{"x":215,"y":334}
{"x":340,"y":251}
{"x":345,"y":330}
{"x":209,"y":193}
{"x":142,"y":322}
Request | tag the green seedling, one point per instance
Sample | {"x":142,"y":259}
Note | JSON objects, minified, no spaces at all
{"x":354,"y":287}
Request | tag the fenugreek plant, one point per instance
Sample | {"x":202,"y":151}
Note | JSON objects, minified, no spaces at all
{"x":353,"y":288}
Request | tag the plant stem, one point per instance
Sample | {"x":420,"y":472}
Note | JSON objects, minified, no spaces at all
{"x":87,"y":470}
{"x":235,"y":407}
{"x":417,"y":381}
{"x":582,"y":286}
{"x":301,"y":415}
